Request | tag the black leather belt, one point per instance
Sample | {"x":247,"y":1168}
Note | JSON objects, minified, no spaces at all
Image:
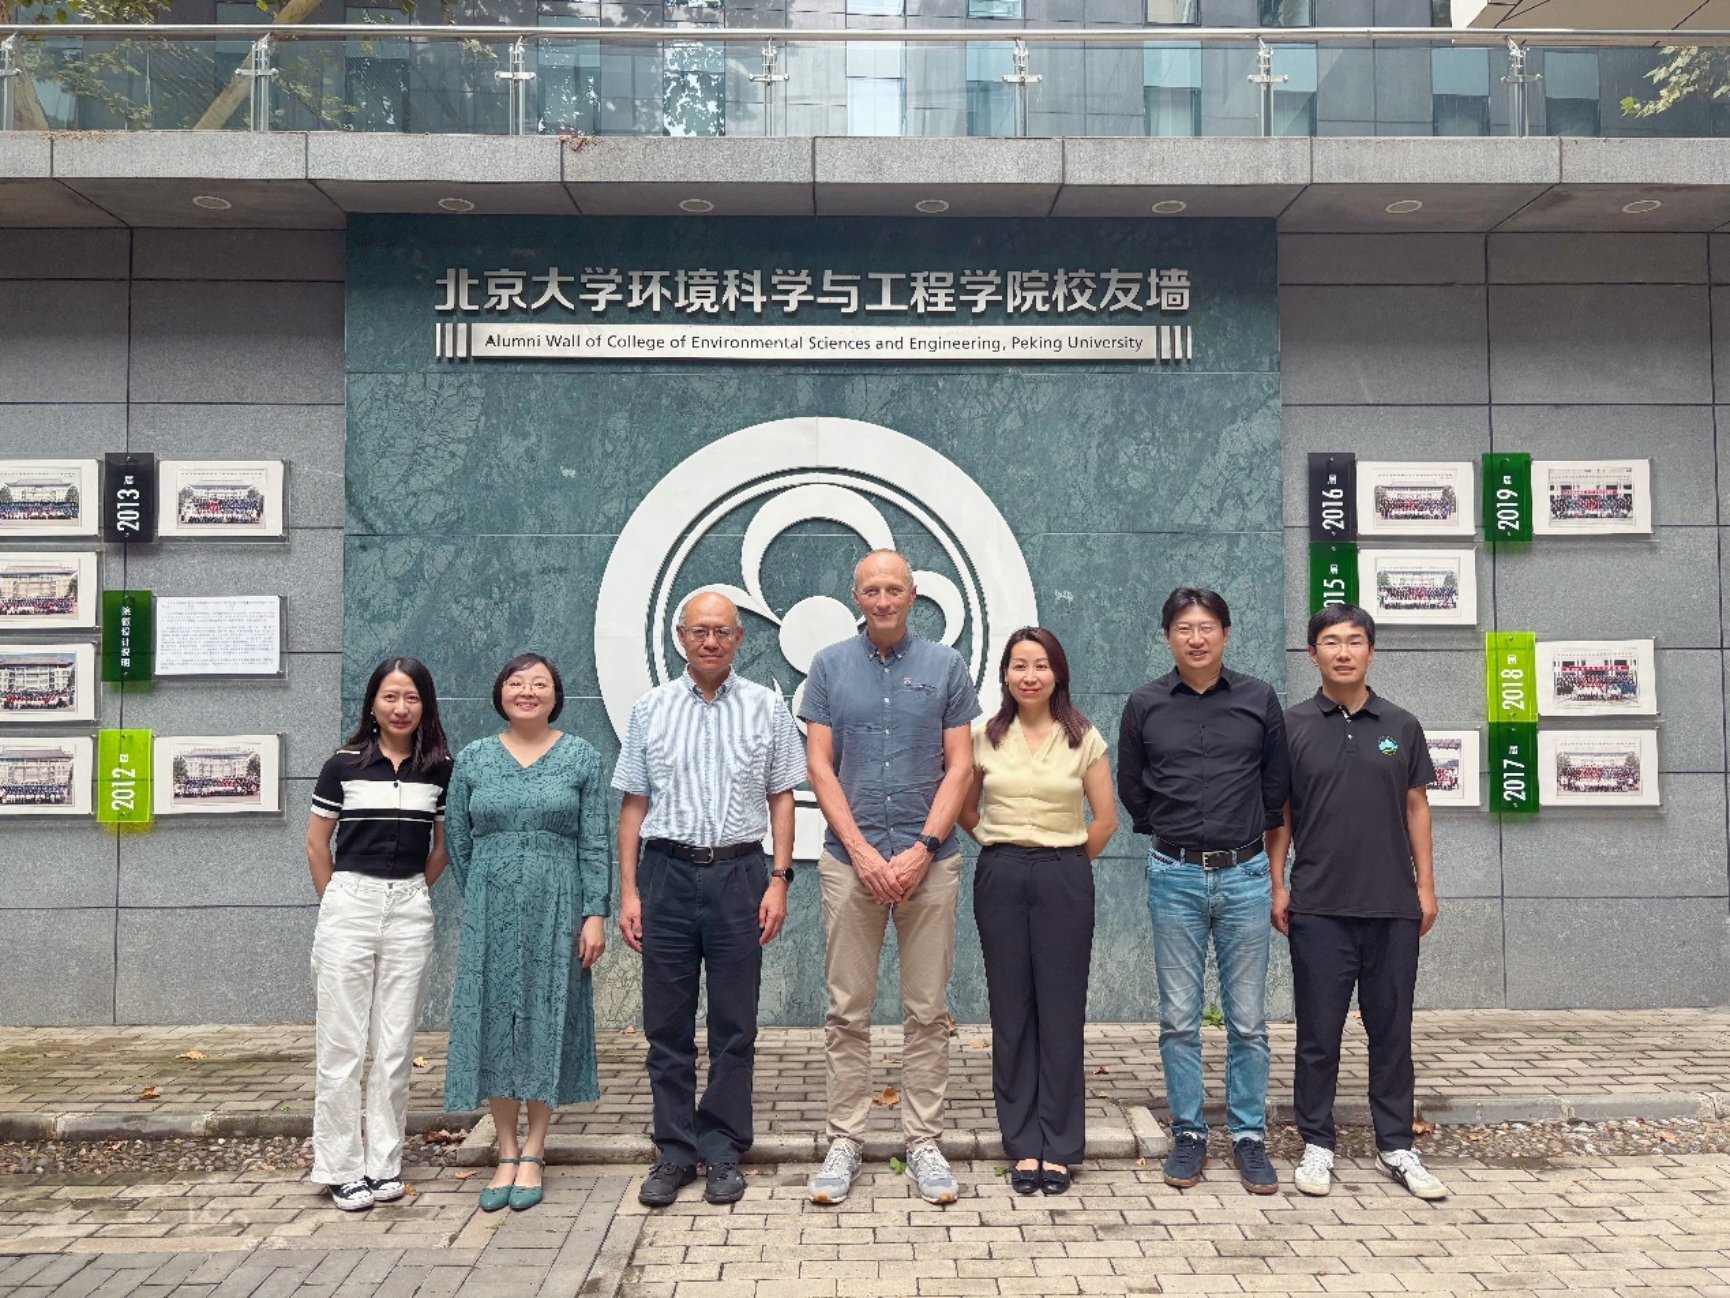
{"x":1221,"y":858}
{"x":701,"y":855}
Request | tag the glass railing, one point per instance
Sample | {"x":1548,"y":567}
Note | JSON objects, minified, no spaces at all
{"x":698,"y":77}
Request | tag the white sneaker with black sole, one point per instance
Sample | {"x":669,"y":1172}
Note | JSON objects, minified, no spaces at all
{"x":1404,"y":1166}
{"x":352,"y":1196}
{"x":1315,"y":1171}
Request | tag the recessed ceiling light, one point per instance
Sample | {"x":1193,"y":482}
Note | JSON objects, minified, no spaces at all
{"x":456,"y":205}
{"x":696,"y":205}
{"x":1404,"y":207}
{"x":211,"y":203}
{"x":931,"y":206}
{"x":1640,"y":205}
{"x":1169,"y":206}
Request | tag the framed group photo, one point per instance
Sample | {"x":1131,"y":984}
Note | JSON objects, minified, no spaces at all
{"x":1597,"y":678}
{"x":47,"y":775}
{"x":217,"y":775}
{"x":1591,"y":497}
{"x":219,"y":499}
{"x":1456,"y":756}
{"x":47,"y":683}
{"x":48,"y":498}
{"x":47,"y":590}
{"x":1419,"y":587}
{"x":1417,"y":499}
{"x":1598,"y":768}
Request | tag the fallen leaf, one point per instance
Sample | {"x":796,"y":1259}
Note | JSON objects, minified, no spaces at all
{"x":466,"y":1173}
{"x":445,"y":1137}
{"x":1668,"y":1137}
{"x":1422,"y":1128}
{"x":949,"y":1022}
{"x":410,"y":1190}
{"x":890,"y":1096}
{"x":979,"y":1045}
{"x":420,"y":1061}
{"x":1141,"y":1162}
{"x":150,"y":1093}
{"x":193,"y":1055}
{"x":897,"y":1166}
{"x":1101,"y":1071}
{"x":627,"y":1032}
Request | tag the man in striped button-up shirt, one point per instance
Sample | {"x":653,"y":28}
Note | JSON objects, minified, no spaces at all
{"x":709,"y":760}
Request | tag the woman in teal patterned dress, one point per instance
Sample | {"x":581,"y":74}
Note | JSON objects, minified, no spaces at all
{"x":526,"y":827}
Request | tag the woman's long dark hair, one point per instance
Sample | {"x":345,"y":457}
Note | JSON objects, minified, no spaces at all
{"x":1062,"y":710}
{"x":430,"y":749}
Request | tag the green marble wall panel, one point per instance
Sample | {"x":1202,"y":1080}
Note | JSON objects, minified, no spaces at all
{"x":485,"y":499}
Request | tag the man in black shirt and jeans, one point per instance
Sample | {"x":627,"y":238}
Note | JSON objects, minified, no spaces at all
{"x":1362,"y":893}
{"x":1202,"y":770}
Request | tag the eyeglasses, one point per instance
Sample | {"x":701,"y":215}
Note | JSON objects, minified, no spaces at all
{"x":1334,"y":644}
{"x":1206,"y":630}
{"x":704,"y":634}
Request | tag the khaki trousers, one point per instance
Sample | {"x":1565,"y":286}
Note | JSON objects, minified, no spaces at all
{"x":854,"y":923}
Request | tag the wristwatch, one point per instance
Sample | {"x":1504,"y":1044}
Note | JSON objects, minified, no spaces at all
{"x":931,"y":843}
{"x":786,"y":875}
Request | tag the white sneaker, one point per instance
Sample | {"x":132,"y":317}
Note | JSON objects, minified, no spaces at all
{"x":1315,"y":1173}
{"x":352,"y":1196}
{"x":1404,"y":1166}
{"x":835,"y":1177}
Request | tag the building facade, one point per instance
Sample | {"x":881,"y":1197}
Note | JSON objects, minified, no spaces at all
{"x":462,"y":507}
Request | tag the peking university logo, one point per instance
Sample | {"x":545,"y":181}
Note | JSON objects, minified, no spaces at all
{"x":771,"y":482}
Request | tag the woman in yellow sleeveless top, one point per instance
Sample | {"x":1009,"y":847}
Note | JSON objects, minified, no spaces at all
{"x":1034,"y":765}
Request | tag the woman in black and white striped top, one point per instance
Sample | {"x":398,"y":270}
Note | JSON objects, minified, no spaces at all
{"x":375,"y":844}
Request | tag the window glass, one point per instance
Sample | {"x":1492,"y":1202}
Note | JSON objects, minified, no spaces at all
{"x":1171,"y":89}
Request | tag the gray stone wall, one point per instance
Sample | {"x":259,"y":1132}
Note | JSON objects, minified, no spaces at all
{"x":191,"y":344}
{"x":1568,"y":346}
{"x":1437,"y":346}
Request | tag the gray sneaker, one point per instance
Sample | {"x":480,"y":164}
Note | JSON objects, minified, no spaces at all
{"x":930,"y":1172}
{"x":835,"y":1177}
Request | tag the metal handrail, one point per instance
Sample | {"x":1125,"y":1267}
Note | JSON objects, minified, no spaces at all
{"x":1492,"y":38}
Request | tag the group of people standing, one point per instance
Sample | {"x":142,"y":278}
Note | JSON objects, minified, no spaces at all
{"x":1208,"y":766}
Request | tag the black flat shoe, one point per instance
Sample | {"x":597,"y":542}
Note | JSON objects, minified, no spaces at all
{"x":1052,"y":1181}
{"x":1025,"y":1180}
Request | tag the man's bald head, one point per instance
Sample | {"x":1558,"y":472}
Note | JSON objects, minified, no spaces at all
{"x":886,"y":562}
{"x":706,"y":605}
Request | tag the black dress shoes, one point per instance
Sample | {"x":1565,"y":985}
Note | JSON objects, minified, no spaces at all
{"x":724,"y":1184}
{"x":663,"y":1183}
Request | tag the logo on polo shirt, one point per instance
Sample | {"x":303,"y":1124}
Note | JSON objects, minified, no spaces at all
{"x":1388,"y":746}
{"x":781,"y":476}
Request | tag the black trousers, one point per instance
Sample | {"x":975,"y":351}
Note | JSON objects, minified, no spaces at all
{"x":697,"y":920}
{"x":1034,"y":908}
{"x":1330,"y":956}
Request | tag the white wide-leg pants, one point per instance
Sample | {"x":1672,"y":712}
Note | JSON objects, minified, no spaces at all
{"x":369,"y":965}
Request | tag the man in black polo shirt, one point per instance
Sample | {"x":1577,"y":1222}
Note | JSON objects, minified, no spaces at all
{"x":1362,"y":893}
{"x":1201,"y":767}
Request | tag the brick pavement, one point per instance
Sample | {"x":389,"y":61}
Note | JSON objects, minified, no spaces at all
{"x":1646,"y":1226}
{"x":258,"y":1080}
{"x":265,"y":1233}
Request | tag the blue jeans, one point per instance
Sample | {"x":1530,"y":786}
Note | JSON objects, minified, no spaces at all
{"x":1188,"y":905}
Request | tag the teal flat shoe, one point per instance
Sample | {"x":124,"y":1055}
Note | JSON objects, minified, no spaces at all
{"x":495,"y":1197}
{"x":524,"y":1197}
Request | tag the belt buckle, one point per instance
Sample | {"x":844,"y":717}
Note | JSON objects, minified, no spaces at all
{"x":1212,"y":861}
{"x":703,"y":856}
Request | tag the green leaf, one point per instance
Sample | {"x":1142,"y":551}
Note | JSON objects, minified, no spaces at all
{"x":897,"y":1166}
